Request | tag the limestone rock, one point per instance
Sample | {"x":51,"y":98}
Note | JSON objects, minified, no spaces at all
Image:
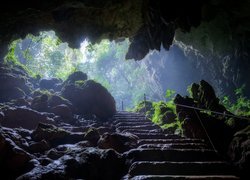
{"x":76,"y":76}
{"x":13,"y":160}
{"x":82,"y":163}
{"x":24,"y":117}
{"x":91,"y":99}
{"x":239,"y":150}
{"x":64,"y":112}
{"x":49,"y":83}
{"x":120,"y":142}
{"x":92,"y":135}
{"x":54,"y":135}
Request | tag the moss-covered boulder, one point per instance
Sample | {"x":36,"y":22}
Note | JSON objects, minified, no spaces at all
{"x":76,"y":76}
{"x":91,"y":98}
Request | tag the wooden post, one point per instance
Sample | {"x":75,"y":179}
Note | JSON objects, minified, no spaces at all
{"x":122,"y":106}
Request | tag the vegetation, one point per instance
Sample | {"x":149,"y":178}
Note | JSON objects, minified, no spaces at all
{"x":144,"y":106}
{"x":162,"y":113}
{"x":241,"y":106}
{"x":46,"y":56}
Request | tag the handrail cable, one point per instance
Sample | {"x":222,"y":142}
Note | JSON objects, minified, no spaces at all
{"x":214,"y":112}
{"x":201,"y":109}
{"x":210,"y":140}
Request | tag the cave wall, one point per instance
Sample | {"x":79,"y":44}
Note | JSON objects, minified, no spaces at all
{"x":219,"y":46}
{"x":172,"y":70}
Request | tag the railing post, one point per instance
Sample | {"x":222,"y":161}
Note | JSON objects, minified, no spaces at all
{"x":122,"y":106}
{"x":145,"y":109}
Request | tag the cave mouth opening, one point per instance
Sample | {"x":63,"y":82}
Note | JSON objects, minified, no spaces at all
{"x":45,"y":56}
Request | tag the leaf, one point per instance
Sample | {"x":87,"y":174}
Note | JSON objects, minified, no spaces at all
{"x":169,"y":93}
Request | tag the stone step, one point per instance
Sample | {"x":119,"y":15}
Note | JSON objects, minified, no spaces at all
{"x":167,"y":141}
{"x":180,"y":168}
{"x":145,"y":127}
{"x":143,"y":131}
{"x":175,"y":146}
{"x":150,"y":135}
{"x":133,"y":124}
{"x":177,"y":155}
{"x":178,"y":177}
{"x":128,"y":116}
{"x":115,"y":121}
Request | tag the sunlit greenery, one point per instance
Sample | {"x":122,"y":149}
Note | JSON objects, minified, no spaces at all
{"x":241,"y":106}
{"x":162,"y":113}
{"x":47,"y":56}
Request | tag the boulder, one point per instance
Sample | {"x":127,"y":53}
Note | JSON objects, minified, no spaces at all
{"x":55,"y":100}
{"x":81,"y":163}
{"x":1,"y":116}
{"x":92,"y":135}
{"x":21,"y":102}
{"x":205,"y":97}
{"x":12,"y":87}
{"x":38,"y":147}
{"x":49,"y":83}
{"x":120,"y":142}
{"x":24,"y":117}
{"x":54,"y":135}
{"x":76,"y":76}
{"x":40,"y":103}
{"x":239,"y":151}
{"x":170,"y":117}
{"x":91,"y":99}
{"x":14,"y":161}
{"x":64,"y":112}
{"x":14,"y":82}
{"x":195,"y":121}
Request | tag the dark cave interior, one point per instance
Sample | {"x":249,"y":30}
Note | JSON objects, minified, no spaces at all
{"x":76,"y":127}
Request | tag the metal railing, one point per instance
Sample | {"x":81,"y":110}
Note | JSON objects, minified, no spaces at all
{"x":205,"y":110}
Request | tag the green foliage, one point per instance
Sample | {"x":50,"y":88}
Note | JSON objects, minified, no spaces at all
{"x":189,"y":90}
{"x":145,"y":106}
{"x":160,"y":109}
{"x":160,"y":113}
{"x":45,"y":55}
{"x":242,"y":105}
{"x":12,"y":60}
{"x":170,"y":103}
{"x":169,"y":93}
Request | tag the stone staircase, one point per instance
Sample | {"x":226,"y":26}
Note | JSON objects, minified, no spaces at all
{"x":165,"y":156}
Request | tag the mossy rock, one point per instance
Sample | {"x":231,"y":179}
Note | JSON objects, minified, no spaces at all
{"x":90,"y":99}
{"x":77,"y":76}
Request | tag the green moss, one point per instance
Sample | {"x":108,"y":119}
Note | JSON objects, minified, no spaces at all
{"x":12,"y":60}
{"x":41,"y":92}
{"x":160,"y":109}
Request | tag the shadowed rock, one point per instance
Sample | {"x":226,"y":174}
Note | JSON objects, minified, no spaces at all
{"x":24,"y":117}
{"x":91,"y":98}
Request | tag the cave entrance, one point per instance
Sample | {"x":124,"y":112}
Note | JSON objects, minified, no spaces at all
{"x":45,"y":56}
